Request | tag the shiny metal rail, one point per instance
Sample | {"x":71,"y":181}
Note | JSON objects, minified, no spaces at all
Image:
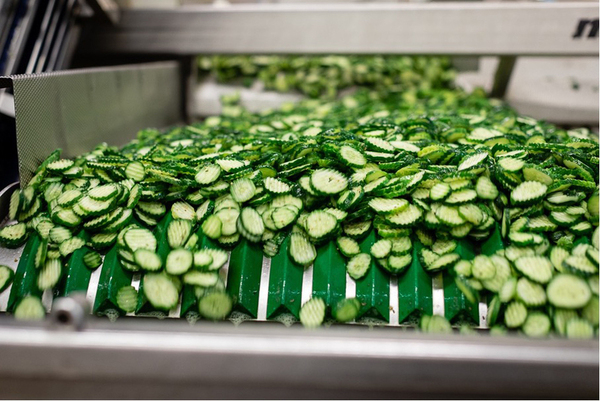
{"x":514,"y":28}
{"x":149,"y":359}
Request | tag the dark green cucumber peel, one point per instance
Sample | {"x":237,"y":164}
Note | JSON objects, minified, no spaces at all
{"x":285,"y":284}
{"x":415,"y":290}
{"x":243,"y":279}
{"x":329,"y":275}
{"x":77,"y":275}
{"x":373,"y":290}
{"x":25,"y":280}
{"x":456,"y":305}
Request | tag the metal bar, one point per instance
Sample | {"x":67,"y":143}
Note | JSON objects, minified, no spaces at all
{"x":502,"y":76}
{"x":367,"y":28}
{"x":370,"y":364}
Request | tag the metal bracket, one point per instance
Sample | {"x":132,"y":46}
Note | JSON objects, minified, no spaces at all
{"x":502,"y":76}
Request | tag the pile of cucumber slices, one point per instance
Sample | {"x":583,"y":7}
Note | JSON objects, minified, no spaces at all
{"x":431,"y":170}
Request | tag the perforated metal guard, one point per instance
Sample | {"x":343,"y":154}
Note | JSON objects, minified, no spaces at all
{"x":76,"y":110}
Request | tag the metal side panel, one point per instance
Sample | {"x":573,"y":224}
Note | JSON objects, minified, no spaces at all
{"x":78,"y":109}
{"x":140,"y":358}
{"x":454,"y":28}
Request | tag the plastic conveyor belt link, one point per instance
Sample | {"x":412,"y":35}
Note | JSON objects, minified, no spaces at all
{"x":266,"y":288}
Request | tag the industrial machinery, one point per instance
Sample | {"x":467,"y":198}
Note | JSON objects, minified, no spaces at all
{"x":77,"y":354}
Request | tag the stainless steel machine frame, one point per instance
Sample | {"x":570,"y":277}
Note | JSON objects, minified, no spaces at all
{"x":74,"y":355}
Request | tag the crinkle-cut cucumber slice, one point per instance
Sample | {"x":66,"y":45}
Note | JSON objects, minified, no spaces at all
{"x":319,"y":224}
{"x":528,"y":193}
{"x":178,"y":233}
{"x":30,"y":308}
{"x":161,"y":291}
{"x":579,"y":265}
{"x":6,"y":277}
{"x":536,"y":268}
{"x":301,"y":250}
{"x":483,"y":268}
{"x":568,"y":291}
{"x":277,"y":186}
{"x":443,"y":262}
{"x":242,"y":190}
{"x":511,"y":164}
{"x":351,"y":156}
{"x":472,"y":161}
{"x":346,"y":310}
{"x":179,"y":261}
{"x":208,"y":174}
{"x":442,"y":247}
{"x":530,"y":293}
{"x":381,"y":249}
{"x":147,"y":260}
{"x":471,"y":213}
{"x":439,"y":191}
{"x":461,"y":197}
{"x":347,"y":246}
{"x":397,"y":264}
{"x":14,"y":235}
{"x":252,"y":222}
{"x":557,"y":256}
{"x":215,"y":305}
{"x":312,"y":313}
{"x":385,"y":205}
{"x":135,"y":171}
{"x":229,"y":219}
{"x":515,"y":315}
{"x":328,"y":181}
{"x":449,"y":215}
{"x":183,"y":210}
{"x":358,"y":266}
{"x":127,"y":298}
{"x":405,"y":218}
{"x":536,"y":325}
{"x":578,"y":328}
{"x":486,"y":189}
{"x":50,"y":274}
{"x":140,"y":238}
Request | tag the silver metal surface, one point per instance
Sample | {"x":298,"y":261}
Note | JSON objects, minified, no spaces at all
{"x":69,"y":313}
{"x":75,"y":110}
{"x":474,"y":28}
{"x":217,"y":360}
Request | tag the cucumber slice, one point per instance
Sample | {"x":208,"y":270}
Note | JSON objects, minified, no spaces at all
{"x":328,"y":181}
{"x":537,"y":325}
{"x":208,"y":174}
{"x":178,"y":233}
{"x":147,"y":260}
{"x":135,"y":171}
{"x":381,"y":248}
{"x":398,"y":264}
{"x":6,"y":277}
{"x":92,"y":260}
{"x":568,"y":292}
{"x":486,"y":189}
{"x":49,"y":275}
{"x":202,"y":259}
{"x":161,"y":291}
{"x":312,"y":313}
{"x":30,"y":308}
{"x":405,"y":218}
{"x":515,"y":315}
{"x":212,"y":227}
{"x":351,"y":156}
{"x":347,"y":246}
{"x":483,"y":268}
{"x":346,"y":310}
{"x":215,"y":305}
{"x":127,"y":298}
{"x":536,"y":268}
{"x":14,"y":235}
{"x":320,"y":224}
{"x":242,"y":190}
{"x":358,"y":266}
{"x":530,"y":293}
{"x":528,"y":193}
{"x":461,"y":197}
{"x":439,"y":191}
{"x":579,"y":265}
{"x":140,"y":238}
{"x":386,"y":206}
{"x":577,"y":328}
{"x":183,"y":211}
{"x":301,"y":250}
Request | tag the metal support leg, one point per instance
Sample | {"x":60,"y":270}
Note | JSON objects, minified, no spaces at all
{"x":502,"y":76}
